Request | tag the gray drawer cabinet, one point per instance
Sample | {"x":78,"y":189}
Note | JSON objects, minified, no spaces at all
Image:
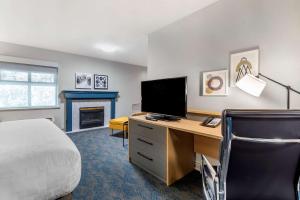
{"x":152,"y":132}
{"x":147,"y":147}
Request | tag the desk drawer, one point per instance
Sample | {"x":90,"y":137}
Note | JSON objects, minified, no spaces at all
{"x":145,"y":130}
{"x":146,"y":143}
{"x":149,"y":147}
{"x":153,"y":162}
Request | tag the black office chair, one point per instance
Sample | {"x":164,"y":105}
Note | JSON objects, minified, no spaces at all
{"x":259,"y":157}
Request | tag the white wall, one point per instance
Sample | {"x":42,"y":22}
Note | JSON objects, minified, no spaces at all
{"x":124,"y":78}
{"x":202,"y":42}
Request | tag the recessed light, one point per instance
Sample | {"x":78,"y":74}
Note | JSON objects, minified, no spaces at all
{"x":108,"y":48}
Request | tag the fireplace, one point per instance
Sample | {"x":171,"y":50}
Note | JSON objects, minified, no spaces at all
{"x":74,"y":100}
{"x":91,"y":117}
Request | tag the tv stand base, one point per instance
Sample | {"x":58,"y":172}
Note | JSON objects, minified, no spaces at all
{"x":163,"y":117}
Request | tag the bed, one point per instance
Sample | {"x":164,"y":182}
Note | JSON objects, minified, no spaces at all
{"x":37,"y":161}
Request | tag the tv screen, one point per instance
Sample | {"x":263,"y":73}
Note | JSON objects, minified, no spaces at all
{"x":165,"y":96}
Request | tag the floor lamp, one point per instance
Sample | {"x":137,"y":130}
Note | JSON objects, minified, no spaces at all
{"x":254,"y":85}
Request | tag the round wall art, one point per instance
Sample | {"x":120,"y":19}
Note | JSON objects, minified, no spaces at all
{"x":215,"y":83}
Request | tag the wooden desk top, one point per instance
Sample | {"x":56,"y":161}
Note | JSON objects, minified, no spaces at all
{"x":185,"y":126}
{"x":203,"y":112}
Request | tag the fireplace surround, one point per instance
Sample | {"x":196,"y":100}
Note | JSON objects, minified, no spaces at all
{"x":71,"y":97}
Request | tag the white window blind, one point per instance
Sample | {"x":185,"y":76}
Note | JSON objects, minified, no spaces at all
{"x":27,"y":86}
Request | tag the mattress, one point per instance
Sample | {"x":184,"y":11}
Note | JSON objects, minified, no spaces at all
{"x":37,"y":161}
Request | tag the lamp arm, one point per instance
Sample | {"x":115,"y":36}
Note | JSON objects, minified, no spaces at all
{"x":289,"y":88}
{"x":283,"y":85}
{"x":292,"y":89}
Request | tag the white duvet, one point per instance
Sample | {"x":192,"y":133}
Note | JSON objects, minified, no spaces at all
{"x":37,"y":161}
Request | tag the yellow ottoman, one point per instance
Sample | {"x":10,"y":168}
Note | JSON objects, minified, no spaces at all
{"x":120,"y":123}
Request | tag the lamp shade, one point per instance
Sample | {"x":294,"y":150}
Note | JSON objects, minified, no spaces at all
{"x":251,"y":85}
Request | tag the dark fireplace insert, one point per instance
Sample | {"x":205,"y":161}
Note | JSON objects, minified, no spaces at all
{"x":91,"y":117}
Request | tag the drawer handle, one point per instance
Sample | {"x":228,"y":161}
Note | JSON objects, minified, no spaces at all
{"x":146,"y":157}
{"x":141,"y":140}
{"x":143,"y":126}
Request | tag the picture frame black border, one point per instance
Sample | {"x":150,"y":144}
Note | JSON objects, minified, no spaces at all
{"x":95,"y":82}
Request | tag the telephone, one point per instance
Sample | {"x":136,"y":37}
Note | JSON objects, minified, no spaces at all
{"x":211,"y":122}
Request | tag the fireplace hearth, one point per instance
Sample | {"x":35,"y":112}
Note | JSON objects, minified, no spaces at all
{"x":91,"y":117}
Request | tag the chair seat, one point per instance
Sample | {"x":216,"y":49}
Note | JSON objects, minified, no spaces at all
{"x":119,"y":120}
{"x":117,"y":123}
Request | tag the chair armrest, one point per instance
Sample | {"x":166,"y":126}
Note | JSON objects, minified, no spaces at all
{"x":210,"y":180}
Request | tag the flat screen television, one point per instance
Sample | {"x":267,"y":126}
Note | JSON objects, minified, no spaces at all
{"x":165,"y":96}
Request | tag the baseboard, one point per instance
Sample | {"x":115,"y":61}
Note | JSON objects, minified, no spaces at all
{"x":198,"y":163}
{"x":87,"y":129}
{"x":198,"y":166}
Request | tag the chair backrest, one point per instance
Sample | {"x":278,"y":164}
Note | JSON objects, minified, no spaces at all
{"x":260,"y":154}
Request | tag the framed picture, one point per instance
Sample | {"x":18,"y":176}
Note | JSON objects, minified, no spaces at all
{"x":215,"y":83}
{"x":242,"y":63}
{"x":83,"y":81}
{"x":101,"y":82}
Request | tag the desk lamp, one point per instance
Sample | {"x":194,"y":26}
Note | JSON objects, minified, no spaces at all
{"x":254,"y":85}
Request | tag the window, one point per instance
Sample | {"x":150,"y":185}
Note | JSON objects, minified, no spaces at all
{"x":27,"y":86}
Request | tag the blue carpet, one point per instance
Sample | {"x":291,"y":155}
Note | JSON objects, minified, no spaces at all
{"x":107,"y":173}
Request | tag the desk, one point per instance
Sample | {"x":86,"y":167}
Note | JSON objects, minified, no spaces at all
{"x":195,"y":111}
{"x":167,"y":149}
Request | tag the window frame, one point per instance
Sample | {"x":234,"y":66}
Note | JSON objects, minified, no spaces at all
{"x":29,"y":83}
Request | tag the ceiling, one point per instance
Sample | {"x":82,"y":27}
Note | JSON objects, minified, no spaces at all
{"x":109,"y":29}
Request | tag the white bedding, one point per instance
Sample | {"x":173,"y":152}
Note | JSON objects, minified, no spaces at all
{"x":37,"y":161}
